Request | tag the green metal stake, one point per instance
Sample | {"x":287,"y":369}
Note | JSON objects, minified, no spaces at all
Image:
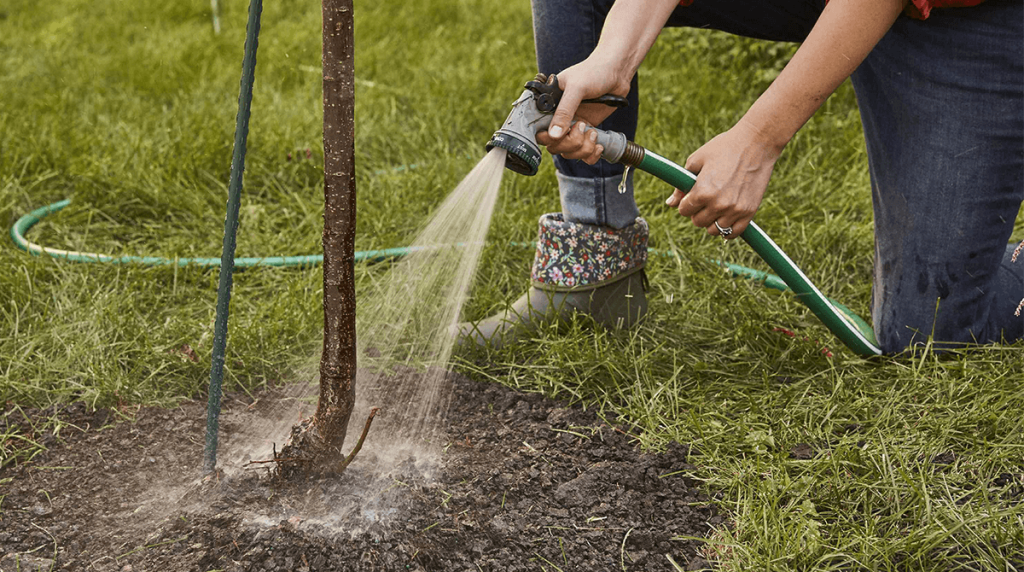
{"x":215,"y":8}
{"x":227,"y":263}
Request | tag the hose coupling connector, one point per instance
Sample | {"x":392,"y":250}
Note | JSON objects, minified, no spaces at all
{"x":632,"y":155}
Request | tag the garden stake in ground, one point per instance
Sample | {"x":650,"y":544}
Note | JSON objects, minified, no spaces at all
{"x":227,"y":267}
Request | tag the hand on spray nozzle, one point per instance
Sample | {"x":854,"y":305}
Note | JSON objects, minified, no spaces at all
{"x":530,"y":117}
{"x":587,"y":98}
{"x":579,"y":143}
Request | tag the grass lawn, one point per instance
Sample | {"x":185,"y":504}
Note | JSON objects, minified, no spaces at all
{"x":825,"y":462}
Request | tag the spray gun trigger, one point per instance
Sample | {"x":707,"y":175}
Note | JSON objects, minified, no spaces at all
{"x":547,"y":94}
{"x":609,"y":100}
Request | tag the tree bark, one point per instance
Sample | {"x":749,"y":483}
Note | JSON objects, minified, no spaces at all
{"x":338,"y":361}
{"x":315,"y":445}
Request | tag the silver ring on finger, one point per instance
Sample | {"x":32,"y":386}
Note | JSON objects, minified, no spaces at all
{"x":724,"y":232}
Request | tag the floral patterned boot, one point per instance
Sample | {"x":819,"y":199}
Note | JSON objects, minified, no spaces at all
{"x":577,"y":268}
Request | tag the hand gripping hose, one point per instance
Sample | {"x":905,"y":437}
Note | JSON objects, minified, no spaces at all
{"x":847,"y":326}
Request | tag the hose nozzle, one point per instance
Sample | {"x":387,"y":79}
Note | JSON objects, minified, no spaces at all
{"x":532,"y":113}
{"x":518,"y":136}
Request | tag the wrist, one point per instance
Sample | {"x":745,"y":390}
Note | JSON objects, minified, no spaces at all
{"x":773,"y":136}
{"x":628,"y":33}
{"x":617,"y":63}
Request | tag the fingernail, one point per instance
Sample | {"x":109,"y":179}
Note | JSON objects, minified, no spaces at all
{"x":555,"y":131}
{"x":668,"y":201}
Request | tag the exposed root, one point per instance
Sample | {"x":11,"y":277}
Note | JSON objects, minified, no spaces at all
{"x":306,"y":453}
{"x":359,"y":444}
{"x":302,"y":452}
{"x":274,"y":460}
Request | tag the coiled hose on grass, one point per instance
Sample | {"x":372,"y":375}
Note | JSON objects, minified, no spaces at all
{"x":23,"y":224}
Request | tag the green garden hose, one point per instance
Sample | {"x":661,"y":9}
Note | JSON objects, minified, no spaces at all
{"x":26,"y":222}
{"x":23,"y":224}
{"x":847,"y":326}
{"x":533,"y":112}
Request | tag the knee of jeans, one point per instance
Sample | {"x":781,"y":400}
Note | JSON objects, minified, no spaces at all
{"x":904,"y":331}
{"x":943,"y":324}
{"x":893,"y":338}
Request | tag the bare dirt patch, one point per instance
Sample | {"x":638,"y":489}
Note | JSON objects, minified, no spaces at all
{"x":524,"y":483}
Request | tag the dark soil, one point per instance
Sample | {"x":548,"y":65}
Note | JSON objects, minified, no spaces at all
{"x":525,"y":483}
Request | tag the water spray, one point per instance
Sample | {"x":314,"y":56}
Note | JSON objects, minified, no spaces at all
{"x":533,"y":112}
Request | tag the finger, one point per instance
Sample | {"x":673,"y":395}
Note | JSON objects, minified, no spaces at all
{"x":735,"y":216}
{"x":673,"y":200}
{"x":739,"y":227}
{"x":577,"y":144}
{"x":695,"y":161}
{"x":727,"y":232}
{"x":595,"y":156}
{"x":688,"y":207}
{"x":573,"y":136}
{"x":707,"y":215}
{"x":703,"y":220}
{"x":694,"y":201}
{"x":567,"y":144}
{"x":735,"y":224}
{"x":562,"y":119}
{"x":545,"y":139}
{"x":591,"y":139}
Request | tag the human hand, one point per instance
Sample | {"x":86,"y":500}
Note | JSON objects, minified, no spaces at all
{"x":732,"y":175}
{"x":588,"y":79}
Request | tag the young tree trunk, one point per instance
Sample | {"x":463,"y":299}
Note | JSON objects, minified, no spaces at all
{"x":338,"y":362}
{"x":316,"y":444}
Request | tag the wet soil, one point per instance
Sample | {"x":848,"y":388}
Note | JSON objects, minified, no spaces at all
{"x":524,"y":483}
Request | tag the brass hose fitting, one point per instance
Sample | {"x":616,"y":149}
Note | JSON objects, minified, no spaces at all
{"x":633,"y":154}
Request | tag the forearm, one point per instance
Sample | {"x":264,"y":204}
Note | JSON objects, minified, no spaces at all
{"x":843,"y":36}
{"x":629,"y":31}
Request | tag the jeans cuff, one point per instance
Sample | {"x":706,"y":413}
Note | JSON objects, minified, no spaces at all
{"x":598,"y":200}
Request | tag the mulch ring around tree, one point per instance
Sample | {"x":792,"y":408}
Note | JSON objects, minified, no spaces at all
{"x":524,"y":483}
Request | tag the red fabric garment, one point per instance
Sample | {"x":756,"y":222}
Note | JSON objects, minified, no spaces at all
{"x":919,"y":9}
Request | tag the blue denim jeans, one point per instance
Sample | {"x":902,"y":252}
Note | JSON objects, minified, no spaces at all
{"x":942,"y":104}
